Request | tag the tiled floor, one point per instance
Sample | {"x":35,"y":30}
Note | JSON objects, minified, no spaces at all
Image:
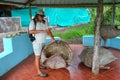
{"x":77,"y":71}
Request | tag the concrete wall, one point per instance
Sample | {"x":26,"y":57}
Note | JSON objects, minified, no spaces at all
{"x":16,"y":50}
{"x":113,"y":42}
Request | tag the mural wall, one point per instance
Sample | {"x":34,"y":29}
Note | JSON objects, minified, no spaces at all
{"x":9,"y":24}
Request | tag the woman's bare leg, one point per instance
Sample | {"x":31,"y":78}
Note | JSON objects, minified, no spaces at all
{"x":37,"y":63}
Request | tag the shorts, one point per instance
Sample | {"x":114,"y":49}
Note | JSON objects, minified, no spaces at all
{"x":37,"y":47}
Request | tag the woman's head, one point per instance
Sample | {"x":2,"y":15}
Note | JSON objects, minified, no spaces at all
{"x":39,"y":15}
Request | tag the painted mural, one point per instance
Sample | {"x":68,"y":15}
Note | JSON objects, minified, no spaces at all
{"x":9,"y":24}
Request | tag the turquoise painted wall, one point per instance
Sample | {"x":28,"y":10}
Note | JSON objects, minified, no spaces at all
{"x":16,"y":49}
{"x":113,"y":42}
{"x":57,"y":16}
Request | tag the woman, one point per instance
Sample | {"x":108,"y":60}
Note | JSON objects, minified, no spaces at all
{"x":39,"y":28}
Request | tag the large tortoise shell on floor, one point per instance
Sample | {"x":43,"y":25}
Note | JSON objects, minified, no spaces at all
{"x":105,"y":57}
{"x":57,"y":52}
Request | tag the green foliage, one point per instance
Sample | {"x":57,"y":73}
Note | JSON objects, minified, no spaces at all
{"x":107,"y":15}
{"x":117,"y":17}
{"x":93,"y":13}
{"x":75,"y":32}
{"x":79,"y":31}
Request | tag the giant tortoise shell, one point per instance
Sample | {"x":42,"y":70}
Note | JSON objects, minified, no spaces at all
{"x":57,"y":53}
{"x":105,"y":57}
{"x":109,"y":31}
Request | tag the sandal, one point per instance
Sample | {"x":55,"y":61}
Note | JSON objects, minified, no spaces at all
{"x":42,"y":74}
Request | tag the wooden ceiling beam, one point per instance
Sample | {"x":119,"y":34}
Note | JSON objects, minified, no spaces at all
{"x":63,"y":5}
{"x":17,"y":4}
{"x":6,"y":7}
{"x":9,"y":2}
{"x":69,"y":5}
{"x":28,"y":2}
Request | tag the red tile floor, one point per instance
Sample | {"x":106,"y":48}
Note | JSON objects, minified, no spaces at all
{"x":76,"y":71}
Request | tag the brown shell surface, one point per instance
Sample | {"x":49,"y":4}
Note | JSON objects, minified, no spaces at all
{"x":55,"y":62}
{"x":105,"y":56}
{"x":109,"y":31}
{"x":59,"y":47}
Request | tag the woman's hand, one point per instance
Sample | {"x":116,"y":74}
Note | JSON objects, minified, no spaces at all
{"x":53,"y":40}
{"x":51,"y":35}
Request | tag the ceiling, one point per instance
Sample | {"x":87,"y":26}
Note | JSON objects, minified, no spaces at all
{"x":57,"y":3}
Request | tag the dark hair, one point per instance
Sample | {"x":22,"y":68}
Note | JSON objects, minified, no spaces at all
{"x":36,"y":17}
{"x":41,"y":15}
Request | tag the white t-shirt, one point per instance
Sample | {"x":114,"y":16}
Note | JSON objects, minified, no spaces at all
{"x":40,"y":37}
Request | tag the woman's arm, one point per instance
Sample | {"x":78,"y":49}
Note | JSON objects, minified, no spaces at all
{"x":50,"y":34}
{"x":36,"y":31}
